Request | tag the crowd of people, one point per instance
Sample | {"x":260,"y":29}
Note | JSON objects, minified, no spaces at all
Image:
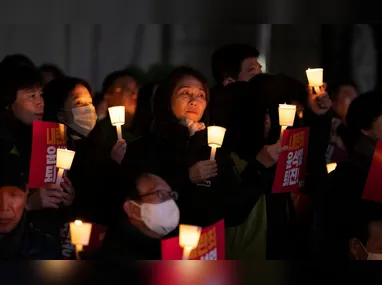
{"x":160,"y":174}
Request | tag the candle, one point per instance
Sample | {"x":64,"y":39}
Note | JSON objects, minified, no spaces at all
{"x":287,"y":114}
{"x":188,"y":238}
{"x":64,"y":159}
{"x":315,"y":78}
{"x":117,"y":118}
{"x":215,"y":138}
{"x":331,"y":166}
{"x":80,"y":234}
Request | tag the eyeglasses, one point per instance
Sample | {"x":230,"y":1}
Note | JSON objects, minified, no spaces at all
{"x":163,"y":195}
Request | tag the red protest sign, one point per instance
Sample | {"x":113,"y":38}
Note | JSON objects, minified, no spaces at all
{"x":372,"y":190}
{"x":47,"y":137}
{"x":291,"y":166}
{"x":211,"y":245}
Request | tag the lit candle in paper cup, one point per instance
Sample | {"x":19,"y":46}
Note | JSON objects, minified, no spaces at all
{"x":117,"y":118}
{"x":80,"y":235}
{"x":315,"y":78}
{"x":331,"y":166}
{"x":189,"y":239}
{"x":215,"y":138}
{"x":64,"y":160}
{"x":287,"y":114}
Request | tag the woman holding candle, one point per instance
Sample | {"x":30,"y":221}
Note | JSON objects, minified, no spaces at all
{"x":209,"y":190}
{"x":69,"y":101}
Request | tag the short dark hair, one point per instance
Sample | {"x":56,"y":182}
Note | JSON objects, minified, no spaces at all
{"x":130,"y":186}
{"x":112,"y":77}
{"x":14,"y":61}
{"x":52,"y":68}
{"x":363,"y":111}
{"x":335,"y":88}
{"x":226,"y":61}
{"x":16,"y":79}
{"x":55,"y":94}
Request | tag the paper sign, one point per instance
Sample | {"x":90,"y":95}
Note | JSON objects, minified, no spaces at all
{"x":291,"y":166}
{"x":373,"y":190}
{"x":47,"y":137}
{"x":211,"y":245}
{"x":95,"y":242}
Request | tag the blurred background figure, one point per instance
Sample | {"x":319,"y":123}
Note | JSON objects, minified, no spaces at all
{"x":49,"y":72}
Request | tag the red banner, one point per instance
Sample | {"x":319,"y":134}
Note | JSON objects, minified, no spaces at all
{"x":211,"y":245}
{"x":373,"y":189}
{"x":47,"y":137}
{"x":291,"y":166}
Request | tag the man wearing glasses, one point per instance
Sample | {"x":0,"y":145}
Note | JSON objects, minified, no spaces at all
{"x":151,"y":213}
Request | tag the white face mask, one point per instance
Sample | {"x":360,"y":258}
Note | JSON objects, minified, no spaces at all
{"x":372,"y":256}
{"x":161,"y":218}
{"x":84,"y":119}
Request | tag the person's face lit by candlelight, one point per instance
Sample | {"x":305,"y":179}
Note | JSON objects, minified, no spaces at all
{"x":29,"y":105}
{"x":79,"y":97}
{"x":123,"y":92}
{"x":12,"y":205}
{"x":189,"y":99}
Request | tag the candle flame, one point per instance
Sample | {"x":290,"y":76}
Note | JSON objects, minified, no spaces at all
{"x":78,"y":222}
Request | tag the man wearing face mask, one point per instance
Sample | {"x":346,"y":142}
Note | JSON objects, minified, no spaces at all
{"x":366,"y":233}
{"x":149,"y":214}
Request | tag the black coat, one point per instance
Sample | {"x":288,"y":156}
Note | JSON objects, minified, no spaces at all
{"x":94,"y":174}
{"x":27,"y":243}
{"x":169,"y":154}
{"x":124,"y":242}
{"x":341,"y":199}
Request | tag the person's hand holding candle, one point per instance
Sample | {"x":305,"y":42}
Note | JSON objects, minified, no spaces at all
{"x":287,"y":114}
{"x":320,"y":103}
{"x":119,"y":150}
{"x":215,"y":139}
{"x":318,"y":99}
{"x":203,"y":170}
{"x":44,"y":198}
{"x":68,"y":192}
{"x":117,"y":118}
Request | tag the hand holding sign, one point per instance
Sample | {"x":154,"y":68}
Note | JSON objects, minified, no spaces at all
{"x":269,"y":154}
{"x":203,"y":170}
{"x":68,"y":197}
{"x":43,"y":198}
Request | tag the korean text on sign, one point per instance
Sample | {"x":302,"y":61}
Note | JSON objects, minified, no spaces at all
{"x":47,"y":138}
{"x":291,"y":165}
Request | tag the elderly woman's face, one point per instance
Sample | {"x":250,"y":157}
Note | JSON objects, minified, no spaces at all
{"x":189,"y":99}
